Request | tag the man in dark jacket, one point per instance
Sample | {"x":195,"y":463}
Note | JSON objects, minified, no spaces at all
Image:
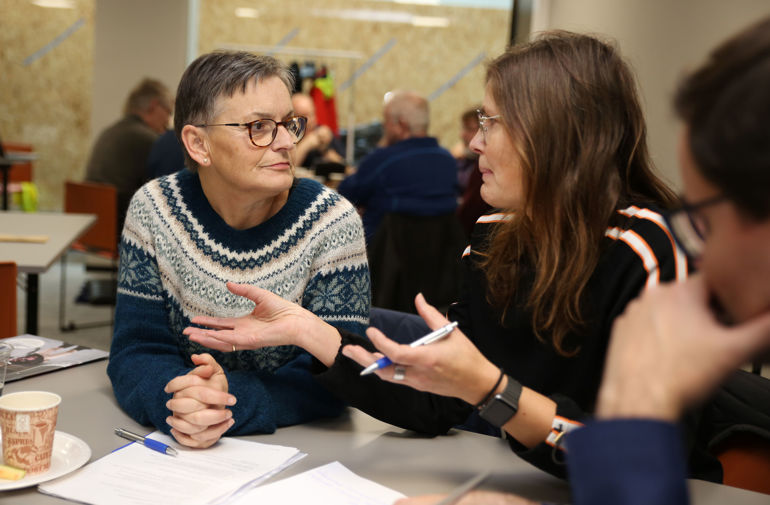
{"x":119,"y":155}
{"x":411,"y":174}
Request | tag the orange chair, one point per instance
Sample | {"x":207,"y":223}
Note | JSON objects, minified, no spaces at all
{"x":20,"y":172}
{"x":745,"y":459}
{"x":7,"y":299}
{"x":101,"y":239}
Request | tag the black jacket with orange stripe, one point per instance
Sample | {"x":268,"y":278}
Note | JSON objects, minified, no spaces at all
{"x":637,"y":251}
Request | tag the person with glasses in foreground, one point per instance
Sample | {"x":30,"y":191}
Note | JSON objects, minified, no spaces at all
{"x":677,"y":342}
{"x":237,"y":214}
{"x":578,"y":234}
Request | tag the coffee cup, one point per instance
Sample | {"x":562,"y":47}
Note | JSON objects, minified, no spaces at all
{"x":28,"y":422}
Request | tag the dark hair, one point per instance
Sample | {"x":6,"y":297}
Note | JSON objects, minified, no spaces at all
{"x":215,"y":75}
{"x":726,"y":106}
{"x":144,"y":93}
{"x":568,"y":101}
{"x":470,"y":115}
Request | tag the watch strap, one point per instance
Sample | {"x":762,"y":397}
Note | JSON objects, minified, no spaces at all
{"x":504,"y":405}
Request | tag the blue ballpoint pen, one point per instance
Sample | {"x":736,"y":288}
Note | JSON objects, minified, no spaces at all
{"x":427,"y":339}
{"x":147,"y":442}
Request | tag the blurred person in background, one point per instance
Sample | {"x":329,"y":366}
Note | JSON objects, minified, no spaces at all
{"x":411,"y":174}
{"x":119,"y":155}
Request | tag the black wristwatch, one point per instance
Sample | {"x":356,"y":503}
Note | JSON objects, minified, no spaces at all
{"x":503,"y":406}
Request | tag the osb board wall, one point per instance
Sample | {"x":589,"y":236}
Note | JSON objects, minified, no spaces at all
{"x":46,"y":59}
{"x":422,"y":59}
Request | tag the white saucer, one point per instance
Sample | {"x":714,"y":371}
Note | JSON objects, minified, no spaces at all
{"x":69,"y":454}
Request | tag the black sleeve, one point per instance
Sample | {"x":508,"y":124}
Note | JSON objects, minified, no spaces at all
{"x":396,"y":404}
{"x":643,"y":255}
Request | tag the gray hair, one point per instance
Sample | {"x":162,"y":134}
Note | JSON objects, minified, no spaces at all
{"x":411,"y":108}
{"x":215,"y":75}
{"x":144,"y":93}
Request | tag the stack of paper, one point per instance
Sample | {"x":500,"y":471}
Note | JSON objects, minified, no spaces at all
{"x":331,"y":484}
{"x":136,"y":475}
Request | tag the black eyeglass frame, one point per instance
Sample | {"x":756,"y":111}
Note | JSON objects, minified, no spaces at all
{"x":285,"y":123}
{"x":690,"y":210}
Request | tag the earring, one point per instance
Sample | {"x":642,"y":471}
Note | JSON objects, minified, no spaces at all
{"x":205,"y":160}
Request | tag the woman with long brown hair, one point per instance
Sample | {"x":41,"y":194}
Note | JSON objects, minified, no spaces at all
{"x":578,"y":234}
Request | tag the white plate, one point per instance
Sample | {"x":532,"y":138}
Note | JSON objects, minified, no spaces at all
{"x":69,"y":454}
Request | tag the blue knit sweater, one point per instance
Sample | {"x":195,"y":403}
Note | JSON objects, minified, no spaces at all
{"x":176,"y":255}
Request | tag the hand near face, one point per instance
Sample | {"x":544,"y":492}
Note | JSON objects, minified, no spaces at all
{"x":472,"y":498}
{"x":668,"y":351}
{"x":199,"y":415}
{"x":451,"y":366}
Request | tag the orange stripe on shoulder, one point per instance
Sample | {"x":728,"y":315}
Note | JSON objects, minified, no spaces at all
{"x":680,"y":258}
{"x":641,"y":248}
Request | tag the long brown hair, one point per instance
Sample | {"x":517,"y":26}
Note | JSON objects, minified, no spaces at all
{"x":569,"y":104}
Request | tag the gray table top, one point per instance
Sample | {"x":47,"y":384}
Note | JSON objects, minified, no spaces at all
{"x":388,"y":455}
{"x":61,"y":230}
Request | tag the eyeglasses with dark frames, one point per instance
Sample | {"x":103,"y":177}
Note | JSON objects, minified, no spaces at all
{"x":262,"y":132}
{"x":688,"y":226}
{"x":484,"y":121}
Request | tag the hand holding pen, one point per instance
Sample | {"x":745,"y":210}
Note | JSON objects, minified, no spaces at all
{"x":453,"y":367}
{"x":427,"y":339}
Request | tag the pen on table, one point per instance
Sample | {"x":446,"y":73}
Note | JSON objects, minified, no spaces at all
{"x":463,"y":488}
{"x":427,"y":339}
{"x":147,"y":442}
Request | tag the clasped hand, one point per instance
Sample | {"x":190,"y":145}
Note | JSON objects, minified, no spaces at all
{"x":199,"y":414}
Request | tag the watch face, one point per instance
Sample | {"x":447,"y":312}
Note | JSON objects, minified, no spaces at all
{"x":498,"y":411}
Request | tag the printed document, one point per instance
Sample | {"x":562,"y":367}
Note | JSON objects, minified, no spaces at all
{"x":331,"y":484}
{"x":137,"y":475}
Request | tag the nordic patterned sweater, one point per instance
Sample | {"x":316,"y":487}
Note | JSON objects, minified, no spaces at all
{"x":176,"y":254}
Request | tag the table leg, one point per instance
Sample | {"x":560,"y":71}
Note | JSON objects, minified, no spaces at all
{"x":32,"y":302}
{"x":5,"y":168}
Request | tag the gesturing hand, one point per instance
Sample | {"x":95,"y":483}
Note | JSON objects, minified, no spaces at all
{"x":199,"y":417}
{"x":274,"y":321}
{"x":450,"y":367}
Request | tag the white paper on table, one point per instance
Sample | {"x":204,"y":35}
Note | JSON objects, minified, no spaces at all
{"x":331,"y":484}
{"x":136,"y":475}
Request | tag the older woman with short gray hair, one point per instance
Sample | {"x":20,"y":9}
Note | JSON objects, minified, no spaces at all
{"x":238,"y":214}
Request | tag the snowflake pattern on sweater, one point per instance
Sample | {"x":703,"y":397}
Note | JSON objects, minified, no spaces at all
{"x":177,"y":254}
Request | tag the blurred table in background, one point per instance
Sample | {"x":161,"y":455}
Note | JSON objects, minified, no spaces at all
{"x":34,"y":241}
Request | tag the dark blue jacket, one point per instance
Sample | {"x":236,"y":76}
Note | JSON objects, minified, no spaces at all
{"x":628,"y":462}
{"x":414,"y":176}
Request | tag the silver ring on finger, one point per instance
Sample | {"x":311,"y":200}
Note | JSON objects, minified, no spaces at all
{"x":399,"y":373}
{"x":234,"y":349}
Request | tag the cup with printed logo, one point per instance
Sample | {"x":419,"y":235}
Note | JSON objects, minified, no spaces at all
{"x":28,"y":422}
